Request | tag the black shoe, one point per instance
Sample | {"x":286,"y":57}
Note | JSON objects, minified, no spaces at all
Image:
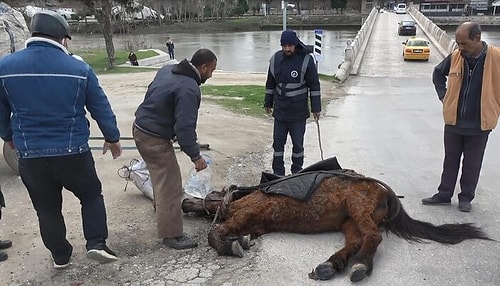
{"x":5,"y":244}
{"x":61,"y":263}
{"x":3,"y":256}
{"x":102,"y":255}
{"x":180,"y":242}
{"x":435,"y":200}
{"x":464,"y":206}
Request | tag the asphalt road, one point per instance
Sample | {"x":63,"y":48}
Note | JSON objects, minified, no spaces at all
{"x":387,"y":124}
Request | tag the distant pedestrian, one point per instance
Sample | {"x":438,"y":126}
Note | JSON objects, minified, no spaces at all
{"x":467,"y":82}
{"x":3,"y":243}
{"x":132,"y":57}
{"x":170,"y":48}
{"x":170,"y":110}
{"x":43,"y":109}
{"x":292,"y":80}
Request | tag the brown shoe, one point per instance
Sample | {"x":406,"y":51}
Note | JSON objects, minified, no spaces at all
{"x":180,"y":242}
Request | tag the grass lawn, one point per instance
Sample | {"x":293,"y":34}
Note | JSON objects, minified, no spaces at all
{"x":98,"y":60}
{"x":241,"y":99}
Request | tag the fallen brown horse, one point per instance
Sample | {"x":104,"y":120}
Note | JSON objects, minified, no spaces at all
{"x":340,"y":200}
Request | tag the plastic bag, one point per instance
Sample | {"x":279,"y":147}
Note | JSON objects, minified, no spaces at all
{"x":138,"y":172}
{"x":199,"y":184}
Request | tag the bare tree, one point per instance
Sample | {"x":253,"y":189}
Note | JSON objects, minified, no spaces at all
{"x":107,"y":32}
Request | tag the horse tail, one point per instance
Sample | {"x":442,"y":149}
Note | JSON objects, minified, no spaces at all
{"x":402,"y":225}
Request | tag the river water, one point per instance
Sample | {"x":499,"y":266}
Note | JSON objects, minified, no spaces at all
{"x":245,"y":51}
{"x":242,"y":51}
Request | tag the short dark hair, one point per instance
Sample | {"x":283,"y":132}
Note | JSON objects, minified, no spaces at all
{"x":203,"y":56}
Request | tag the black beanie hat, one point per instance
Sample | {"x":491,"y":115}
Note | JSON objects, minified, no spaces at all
{"x":289,"y":37}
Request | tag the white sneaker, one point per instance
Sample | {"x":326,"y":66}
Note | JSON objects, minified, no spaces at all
{"x":103,"y":256}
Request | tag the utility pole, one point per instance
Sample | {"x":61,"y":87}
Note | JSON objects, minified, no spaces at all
{"x":284,"y":5}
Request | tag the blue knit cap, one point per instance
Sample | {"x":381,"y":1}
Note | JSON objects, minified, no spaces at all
{"x":289,"y":37}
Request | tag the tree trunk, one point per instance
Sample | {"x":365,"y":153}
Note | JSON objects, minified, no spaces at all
{"x":108,"y":32}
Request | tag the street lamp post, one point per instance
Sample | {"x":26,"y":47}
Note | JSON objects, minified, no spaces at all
{"x":284,"y":5}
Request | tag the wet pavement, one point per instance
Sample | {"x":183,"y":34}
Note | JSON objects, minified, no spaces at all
{"x":387,"y":124}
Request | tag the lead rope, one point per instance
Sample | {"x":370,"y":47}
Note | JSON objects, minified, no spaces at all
{"x":319,"y":138}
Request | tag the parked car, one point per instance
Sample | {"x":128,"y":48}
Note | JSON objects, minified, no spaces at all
{"x":416,"y":49}
{"x":407,"y":27}
{"x":400,"y":8}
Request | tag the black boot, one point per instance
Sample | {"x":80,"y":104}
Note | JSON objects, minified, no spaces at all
{"x":5,"y":244}
{"x":3,"y":256}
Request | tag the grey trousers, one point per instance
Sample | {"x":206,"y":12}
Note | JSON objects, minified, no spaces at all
{"x":161,"y":161}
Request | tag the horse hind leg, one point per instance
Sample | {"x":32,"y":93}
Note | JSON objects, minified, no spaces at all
{"x":366,"y":220}
{"x":337,"y":262}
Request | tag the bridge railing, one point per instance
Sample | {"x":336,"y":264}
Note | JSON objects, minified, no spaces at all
{"x":354,"y":50}
{"x":439,"y":37}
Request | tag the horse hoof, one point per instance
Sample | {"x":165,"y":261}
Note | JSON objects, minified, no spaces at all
{"x":324,"y":271}
{"x":245,"y":242}
{"x":358,"y":272}
{"x":236,"y":249}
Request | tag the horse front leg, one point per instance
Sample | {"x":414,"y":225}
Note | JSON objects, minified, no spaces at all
{"x":338,"y":261}
{"x":217,"y":238}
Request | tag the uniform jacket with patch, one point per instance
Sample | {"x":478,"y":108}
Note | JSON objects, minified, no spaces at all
{"x":291,"y":80}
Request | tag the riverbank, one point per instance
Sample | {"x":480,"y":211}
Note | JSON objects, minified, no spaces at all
{"x":242,"y":24}
{"x":486,"y":21}
{"x":263,"y":23}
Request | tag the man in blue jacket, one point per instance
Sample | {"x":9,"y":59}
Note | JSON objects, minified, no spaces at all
{"x":170,"y":109}
{"x":292,"y":78}
{"x":44,"y":95}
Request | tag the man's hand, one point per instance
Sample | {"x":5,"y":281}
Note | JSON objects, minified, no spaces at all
{"x":269,"y":110}
{"x":200,"y":164}
{"x":316,"y":115}
{"x":115,"y":148}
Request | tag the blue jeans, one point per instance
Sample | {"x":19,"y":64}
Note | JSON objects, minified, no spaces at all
{"x":45,"y":178}
{"x":297,"y":130}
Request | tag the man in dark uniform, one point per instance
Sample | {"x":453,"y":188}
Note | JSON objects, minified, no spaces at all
{"x":292,"y":79}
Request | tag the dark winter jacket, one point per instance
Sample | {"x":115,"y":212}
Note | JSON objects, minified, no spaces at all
{"x":290,"y":81}
{"x":170,"y":107}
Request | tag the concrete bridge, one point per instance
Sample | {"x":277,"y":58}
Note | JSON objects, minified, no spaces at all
{"x":371,"y":37}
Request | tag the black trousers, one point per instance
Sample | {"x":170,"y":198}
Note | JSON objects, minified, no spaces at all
{"x":472,"y":148}
{"x":45,"y":178}
{"x":296,"y":129}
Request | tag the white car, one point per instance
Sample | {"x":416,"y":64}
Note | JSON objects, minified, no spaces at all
{"x":401,"y":8}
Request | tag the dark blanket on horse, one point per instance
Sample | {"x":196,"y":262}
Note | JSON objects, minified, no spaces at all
{"x":302,"y":185}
